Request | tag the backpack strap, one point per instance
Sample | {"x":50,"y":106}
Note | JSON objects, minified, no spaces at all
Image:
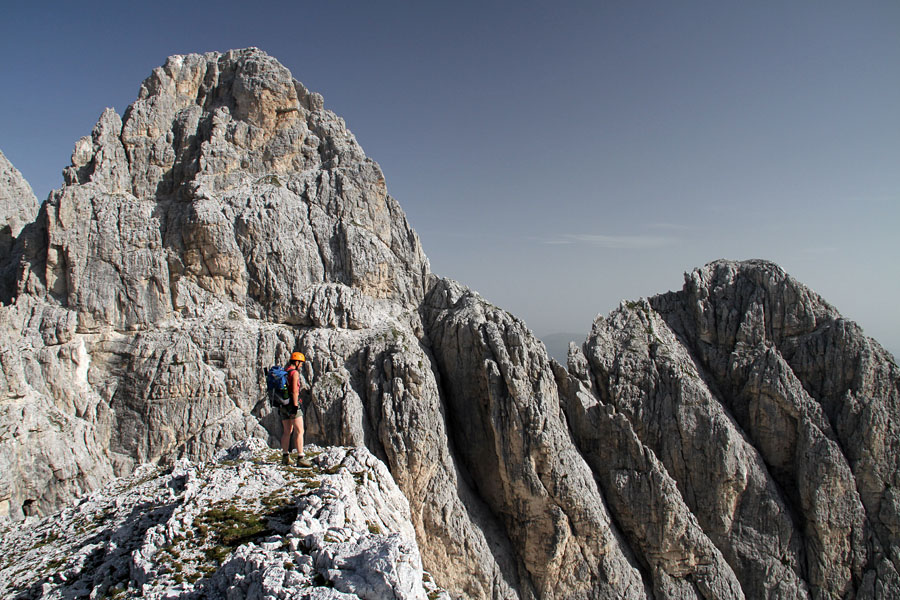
{"x":292,"y":368}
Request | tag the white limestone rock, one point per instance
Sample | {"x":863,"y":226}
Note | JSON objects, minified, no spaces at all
{"x":18,"y":204}
{"x":228,"y":177}
{"x":242,"y":526}
{"x":18,"y":208}
{"x":194,"y":238}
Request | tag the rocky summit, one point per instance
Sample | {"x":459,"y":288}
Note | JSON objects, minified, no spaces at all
{"x":734,"y":439}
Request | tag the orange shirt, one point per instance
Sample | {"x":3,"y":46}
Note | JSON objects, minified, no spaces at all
{"x":294,"y":385}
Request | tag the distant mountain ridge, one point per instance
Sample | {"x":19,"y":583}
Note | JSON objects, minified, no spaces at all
{"x":734,"y":439}
{"x":558,"y":344}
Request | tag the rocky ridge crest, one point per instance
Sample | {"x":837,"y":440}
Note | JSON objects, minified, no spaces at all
{"x":239,"y":526}
{"x":731,"y":440}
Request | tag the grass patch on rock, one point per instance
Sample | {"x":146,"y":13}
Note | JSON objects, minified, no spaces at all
{"x":232,"y":526}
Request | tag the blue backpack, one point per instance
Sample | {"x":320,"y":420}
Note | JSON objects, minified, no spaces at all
{"x":277,"y":386}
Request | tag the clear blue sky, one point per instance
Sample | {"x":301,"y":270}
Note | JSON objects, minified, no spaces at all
{"x":556,"y":157}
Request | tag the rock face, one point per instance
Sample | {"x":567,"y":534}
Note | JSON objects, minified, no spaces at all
{"x":736,"y":439}
{"x":504,"y":408}
{"x":226,"y":183}
{"x":18,"y":206}
{"x":817,"y":399}
{"x":770,"y":413}
{"x":192,"y":241}
{"x":241,"y":526}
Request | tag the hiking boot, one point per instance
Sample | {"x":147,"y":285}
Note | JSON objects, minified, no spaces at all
{"x":285,"y":459}
{"x":303,"y":462}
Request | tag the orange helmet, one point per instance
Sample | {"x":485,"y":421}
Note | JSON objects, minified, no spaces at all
{"x":298,"y":356}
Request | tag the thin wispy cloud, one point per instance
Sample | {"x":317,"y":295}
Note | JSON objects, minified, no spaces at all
{"x":818,"y":250}
{"x":617,"y":242}
{"x":669,"y":226}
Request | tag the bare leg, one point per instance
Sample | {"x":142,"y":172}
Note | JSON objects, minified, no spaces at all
{"x":298,"y":429}
{"x":299,"y":426}
{"x":287,"y":427}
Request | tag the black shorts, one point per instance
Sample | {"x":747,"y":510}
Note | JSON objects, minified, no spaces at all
{"x":289,"y":412}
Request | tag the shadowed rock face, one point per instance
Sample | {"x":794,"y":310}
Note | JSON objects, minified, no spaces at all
{"x":775,"y":418}
{"x":505,"y":416}
{"x":817,"y":399}
{"x":736,"y":439}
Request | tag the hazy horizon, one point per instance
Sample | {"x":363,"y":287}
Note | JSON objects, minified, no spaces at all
{"x":557,"y":159}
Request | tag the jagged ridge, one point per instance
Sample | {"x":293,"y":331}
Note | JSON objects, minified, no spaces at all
{"x":734,"y":439}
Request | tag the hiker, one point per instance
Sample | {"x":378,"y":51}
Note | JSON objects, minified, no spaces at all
{"x":292,"y":413}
